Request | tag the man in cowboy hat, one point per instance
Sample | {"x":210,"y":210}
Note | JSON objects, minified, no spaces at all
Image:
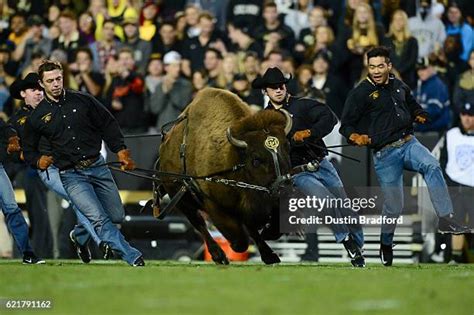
{"x":15,"y":221}
{"x":30,"y":91}
{"x":312,"y":121}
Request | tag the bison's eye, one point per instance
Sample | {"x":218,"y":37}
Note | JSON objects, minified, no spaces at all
{"x":256,"y":162}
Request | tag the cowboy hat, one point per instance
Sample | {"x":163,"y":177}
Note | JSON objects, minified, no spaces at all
{"x":29,"y":82}
{"x":271,"y":77}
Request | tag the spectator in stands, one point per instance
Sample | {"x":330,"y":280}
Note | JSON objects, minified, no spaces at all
{"x":244,"y":42}
{"x":273,"y":59}
{"x":18,"y":29}
{"x":403,"y":47}
{"x":165,"y":39}
{"x":141,"y":48}
{"x":199,"y":81}
{"x":32,"y":66}
{"x":245,"y":13}
{"x":216,"y":8}
{"x":428,"y":30}
{"x":347,"y":19}
{"x":364,"y":34}
{"x":327,"y":84}
{"x":155,"y":73}
{"x":97,"y":8}
{"x":88,"y":80}
{"x":126,"y":95}
{"x":251,"y":66}
{"x":228,"y":70}
{"x":307,"y":36}
{"x":455,"y":24}
{"x":304,"y":76}
{"x":180,"y":25}
{"x":35,"y":42}
{"x":194,"y":48}
{"x":148,"y":15}
{"x":464,"y":89}
{"x":191,"y":15}
{"x":87,"y":27}
{"x":324,"y":41}
{"x":298,"y":17}
{"x":172,"y":94}
{"x":213,"y":65}
{"x":241,"y":86}
{"x":104,"y":48}
{"x":448,"y":62}
{"x":432,"y":94}
{"x":53,"y":16}
{"x":274,"y":34}
{"x":288,"y":65}
{"x":7,"y":69}
{"x":118,"y":11}
{"x":70,"y":38}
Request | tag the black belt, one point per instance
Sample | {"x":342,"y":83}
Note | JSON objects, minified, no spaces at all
{"x":86,"y":162}
{"x":400,"y":142}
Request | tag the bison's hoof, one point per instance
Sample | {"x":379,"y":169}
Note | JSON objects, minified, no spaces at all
{"x":221,"y":260}
{"x":219,"y":257}
{"x":271,"y":258}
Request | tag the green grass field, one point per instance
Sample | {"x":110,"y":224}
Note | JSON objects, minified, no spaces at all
{"x":196,"y":288}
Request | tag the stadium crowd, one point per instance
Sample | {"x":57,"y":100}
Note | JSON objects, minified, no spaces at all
{"x":145,"y":60}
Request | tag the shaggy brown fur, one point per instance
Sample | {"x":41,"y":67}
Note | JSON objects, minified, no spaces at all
{"x":207,"y":151}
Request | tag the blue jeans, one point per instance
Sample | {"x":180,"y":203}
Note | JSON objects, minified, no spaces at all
{"x":14,"y":218}
{"x":325,"y":183}
{"x":84,"y":230}
{"x":389,"y":165}
{"x":95,"y":194}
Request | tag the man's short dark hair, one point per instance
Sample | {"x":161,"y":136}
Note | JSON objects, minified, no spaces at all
{"x":86,"y":50}
{"x":169,"y":23}
{"x":270,"y":4}
{"x":109,"y":21}
{"x":215,"y":51}
{"x":48,"y":65}
{"x":379,"y":51}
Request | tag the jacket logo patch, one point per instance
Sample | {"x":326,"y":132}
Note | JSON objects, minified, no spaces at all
{"x":374,"y":95}
{"x":21,"y":121}
{"x":46,"y":118}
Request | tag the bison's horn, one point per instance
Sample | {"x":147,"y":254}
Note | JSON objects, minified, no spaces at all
{"x":238,"y":143}
{"x":289,"y":121}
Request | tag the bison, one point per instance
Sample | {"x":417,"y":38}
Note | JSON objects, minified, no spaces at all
{"x":219,"y":131}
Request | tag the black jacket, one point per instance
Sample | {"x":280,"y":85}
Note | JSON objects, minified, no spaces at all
{"x":315,"y":116}
{"x":75,"y":126}
{"x":384,"y":112}
{"x":18,"y":122}
{"x":5,"y":133}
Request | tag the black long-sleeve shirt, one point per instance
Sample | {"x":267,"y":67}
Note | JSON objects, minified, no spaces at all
{"x":18,"y":122}
{"x":384,"y":112}
{"x":315,"y":116}
{"x":75,"y":127}
{"x":5,"y":133}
